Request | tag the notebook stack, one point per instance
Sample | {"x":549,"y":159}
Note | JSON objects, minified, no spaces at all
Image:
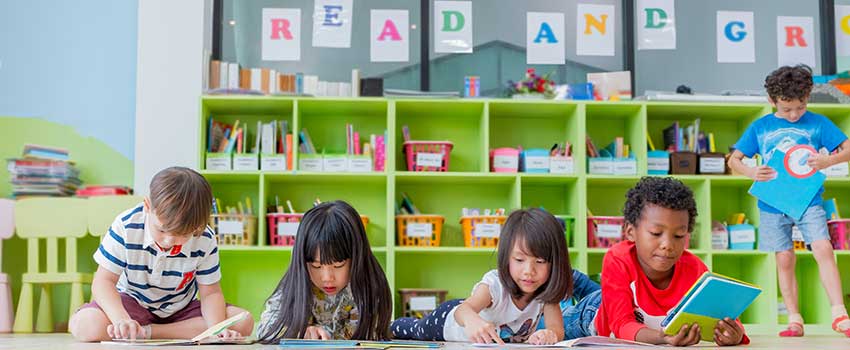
{"x":43,"y":171}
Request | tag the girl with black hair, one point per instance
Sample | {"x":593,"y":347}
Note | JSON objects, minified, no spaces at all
{"x":534,"y":275}
{"x":334,"y":287}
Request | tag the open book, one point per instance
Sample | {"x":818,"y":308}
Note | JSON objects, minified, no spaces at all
{"x":348,"y":344}
{"x":595,"y":341}
{"x":712,"y":298}
{"x":207,"y":337}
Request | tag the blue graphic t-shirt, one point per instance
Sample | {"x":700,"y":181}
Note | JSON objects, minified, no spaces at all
{"x":771,"y":133}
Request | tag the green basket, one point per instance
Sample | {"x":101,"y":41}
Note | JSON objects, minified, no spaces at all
{"x":570,"y":225}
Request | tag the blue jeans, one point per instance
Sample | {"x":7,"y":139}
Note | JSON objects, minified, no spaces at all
{"x":578,"y":319}
{"x":775,"y":229}
{"x":583,"y":288}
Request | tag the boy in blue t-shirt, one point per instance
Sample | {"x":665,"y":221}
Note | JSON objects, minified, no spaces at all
{"x":788,"y":90}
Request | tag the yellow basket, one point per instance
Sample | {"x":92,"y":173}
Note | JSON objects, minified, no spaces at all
{"x":482,"y":230}
{"x":431,"y":240}
{"x":228,"y":226}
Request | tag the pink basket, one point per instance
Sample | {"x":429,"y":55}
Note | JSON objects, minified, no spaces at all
{"x":508,"y":160}
{"x":606,"y":227}
{"x":435,"y":152}
{"x":838,"y":233}
{"x":275,"y":219}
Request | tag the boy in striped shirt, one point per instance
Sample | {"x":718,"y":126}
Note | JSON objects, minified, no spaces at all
{"x":152,"y":262}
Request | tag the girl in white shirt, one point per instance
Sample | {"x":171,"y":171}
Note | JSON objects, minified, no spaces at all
{"x":533,"y":276}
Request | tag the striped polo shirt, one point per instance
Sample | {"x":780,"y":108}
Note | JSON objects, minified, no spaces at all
{"x":164,"y":282}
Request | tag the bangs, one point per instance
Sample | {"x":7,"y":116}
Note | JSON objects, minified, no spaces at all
{"x":331,"y":239}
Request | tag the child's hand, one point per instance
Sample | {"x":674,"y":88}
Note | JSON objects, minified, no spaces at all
{"x":543,"y":337}
{"x":316,"y":332}
{"x":763,"y":173}
{"x":480,"y":331}
{"x":229,"y":334}
{"x":818,"y":161}
{"x":685,"y":337}
{"x":728,"y":332}
{"x":126,"y":329}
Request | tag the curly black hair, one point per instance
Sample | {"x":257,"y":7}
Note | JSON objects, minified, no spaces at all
{"x":665,"y":192}
{"x":789,"y":83}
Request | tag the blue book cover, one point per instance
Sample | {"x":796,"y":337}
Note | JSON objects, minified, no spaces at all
{"x":805,"y":183}
{"x":708,"y":302}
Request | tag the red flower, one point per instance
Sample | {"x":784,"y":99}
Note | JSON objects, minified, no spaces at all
{"x":541,"y":88}
{"x":530,"y":71}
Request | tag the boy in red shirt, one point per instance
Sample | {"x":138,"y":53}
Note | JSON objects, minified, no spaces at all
{"x":644,"y":277}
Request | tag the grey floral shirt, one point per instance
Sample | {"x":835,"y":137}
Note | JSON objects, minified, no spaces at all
{"x":337,"y":314}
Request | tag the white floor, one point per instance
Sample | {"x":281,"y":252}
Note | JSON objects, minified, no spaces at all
{"x":64,"y":341}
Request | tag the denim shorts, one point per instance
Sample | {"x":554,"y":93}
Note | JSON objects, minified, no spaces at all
{"x":775,"y":229}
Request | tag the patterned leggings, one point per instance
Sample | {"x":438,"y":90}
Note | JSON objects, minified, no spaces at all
{"x":429,"y":328}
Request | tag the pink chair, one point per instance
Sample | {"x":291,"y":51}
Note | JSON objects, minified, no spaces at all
{"x":7,"y":225}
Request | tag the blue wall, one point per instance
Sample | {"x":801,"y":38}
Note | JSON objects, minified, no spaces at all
{"x":73,"y":63}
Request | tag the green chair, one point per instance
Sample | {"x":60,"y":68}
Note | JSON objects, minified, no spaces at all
{"x":102,"y":211}
{"x":49,"y":219}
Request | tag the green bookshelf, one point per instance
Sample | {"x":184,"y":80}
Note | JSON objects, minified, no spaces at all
{"x":475,"y":127}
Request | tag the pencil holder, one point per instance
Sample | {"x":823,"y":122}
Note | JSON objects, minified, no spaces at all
{"x":534,"y":160}
{"x":359,"y":164}
{"x":561,"y":165}
{"x":419,"y":230}
{"x":504,"y":160}
{"x":234,"y":229}
{"x":427,"y":155}
{"x":419,"y":303}
{"x":742,"y":237}
{"x":283,"y":227}
{"x":481,"y":230}
{"x":310,"y":162}
{"x":600,"y":165}
{"x":273,"y":162}
{"x":625,"y":166}
{"x":604,"y":231}
{"x":334,"y":163}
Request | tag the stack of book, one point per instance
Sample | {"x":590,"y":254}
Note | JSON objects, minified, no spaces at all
{"x":43,"y":171}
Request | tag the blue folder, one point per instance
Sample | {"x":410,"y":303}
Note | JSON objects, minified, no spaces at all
{"x":786,"y":193}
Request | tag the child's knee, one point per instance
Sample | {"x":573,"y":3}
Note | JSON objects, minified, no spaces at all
{"x":88,"y":325}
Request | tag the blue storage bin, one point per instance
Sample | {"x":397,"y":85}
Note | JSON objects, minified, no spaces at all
{"x":742,"y":237}
{"x":658,"y":162}
{"x":534,"y":160}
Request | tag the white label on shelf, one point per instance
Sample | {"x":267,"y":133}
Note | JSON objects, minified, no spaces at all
{"x":219,"y":163}
{"x":560,"y":165}
{"x":429,"y":159}
{"x":720,"y":240}
{"x":658,"y":164}
{"x":537,"y":162}
{"x":359,"y":164}
{"x":419,"y":230}
{"x":742,"y":236}
{"x":273,"y":163}
{"x":625,"y":167}
{"x":245,"y":163}
{"x":287,"y":228}
{"x":333,"y":164}
{"x":423,"y":303}
{"x":505,"y":162}
{"x":796,"y":234}
{"x":230,"y":227}
{"x":310,"y":164}
{"x":601,"y":167}
{"x":712,"y":165}
{"x":487,"y":230}
{"x":750,"y":162}
{"x":837,"y":170}
{"x":609,"y":231}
